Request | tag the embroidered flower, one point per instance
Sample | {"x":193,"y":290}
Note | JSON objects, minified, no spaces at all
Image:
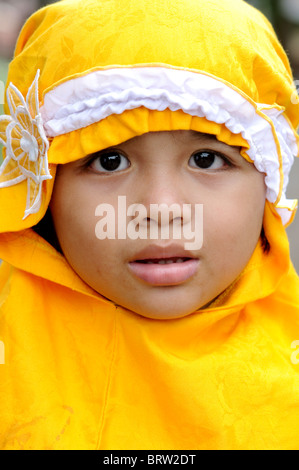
{"x":26,"y":145}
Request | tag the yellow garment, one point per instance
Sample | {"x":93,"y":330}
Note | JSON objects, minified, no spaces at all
{"x":83,"y":373}
{"x":73,"y":38}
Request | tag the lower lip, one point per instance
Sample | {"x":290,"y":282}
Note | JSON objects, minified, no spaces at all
{"x":165,"y":274}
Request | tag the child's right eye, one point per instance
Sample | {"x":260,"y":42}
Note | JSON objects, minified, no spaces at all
{"x":109,"y":162}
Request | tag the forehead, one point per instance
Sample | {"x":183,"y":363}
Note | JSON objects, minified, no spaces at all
{"x":177,"y":136}
{"x":178,"y":139}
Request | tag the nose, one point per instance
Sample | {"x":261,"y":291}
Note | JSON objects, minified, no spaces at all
{"x":162,"y":184}
{"x":165,"y":200}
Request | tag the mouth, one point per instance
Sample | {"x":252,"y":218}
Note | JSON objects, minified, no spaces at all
{"x":161,"y":266}
{"x":163,"y":260}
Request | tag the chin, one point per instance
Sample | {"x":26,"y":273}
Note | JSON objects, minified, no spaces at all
{"x":160,"y":313}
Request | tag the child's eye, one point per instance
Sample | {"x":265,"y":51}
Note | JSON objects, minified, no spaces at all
{"x":208,"y":160}
{"x":109,"y":162}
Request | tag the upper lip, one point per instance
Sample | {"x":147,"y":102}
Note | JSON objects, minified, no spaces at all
{"x":163,"y":252}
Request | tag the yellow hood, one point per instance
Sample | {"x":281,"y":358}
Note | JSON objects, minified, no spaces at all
{"x":83,"y":69}
{"x":80,"y":372}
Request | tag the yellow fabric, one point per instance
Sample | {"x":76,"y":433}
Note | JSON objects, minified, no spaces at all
{"x":82,"y":373}
{"x":119,"y":128}
{"x":73,"y":37}
{"x":252,"y":54}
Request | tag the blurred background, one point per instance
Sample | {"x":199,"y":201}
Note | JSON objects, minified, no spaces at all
{"x":283,"y":14}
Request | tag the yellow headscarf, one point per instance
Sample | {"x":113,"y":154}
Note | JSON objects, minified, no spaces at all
{"x":80,"y":372}
{"x":93,"y":77}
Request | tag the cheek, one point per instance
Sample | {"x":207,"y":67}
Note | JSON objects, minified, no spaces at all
{"x":73,"y":212}
{"x":232,"y":225}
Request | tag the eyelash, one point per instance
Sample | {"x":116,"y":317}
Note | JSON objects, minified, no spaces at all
{"x":92,"y":158}
{"x":225,"y":160}
{"x":116,"y":153}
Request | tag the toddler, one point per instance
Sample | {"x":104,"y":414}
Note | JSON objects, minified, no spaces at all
{"x":147,"y":296}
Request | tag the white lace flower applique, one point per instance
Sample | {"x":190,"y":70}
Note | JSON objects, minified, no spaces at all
{"x":26,"y":145}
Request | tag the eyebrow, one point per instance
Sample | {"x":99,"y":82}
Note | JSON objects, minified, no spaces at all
{"x":213,"y":139}
{"x":201,"y":135}
{"x":223,"y":147}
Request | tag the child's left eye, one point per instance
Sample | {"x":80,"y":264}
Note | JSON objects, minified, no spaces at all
{"x":207,"y":160}
{"x":109,"y":162}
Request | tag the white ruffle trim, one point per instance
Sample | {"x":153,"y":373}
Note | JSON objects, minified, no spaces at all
{"x":91,"y":98}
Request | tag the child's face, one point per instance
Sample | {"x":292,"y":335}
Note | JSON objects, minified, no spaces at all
{"x":181,"y":167}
